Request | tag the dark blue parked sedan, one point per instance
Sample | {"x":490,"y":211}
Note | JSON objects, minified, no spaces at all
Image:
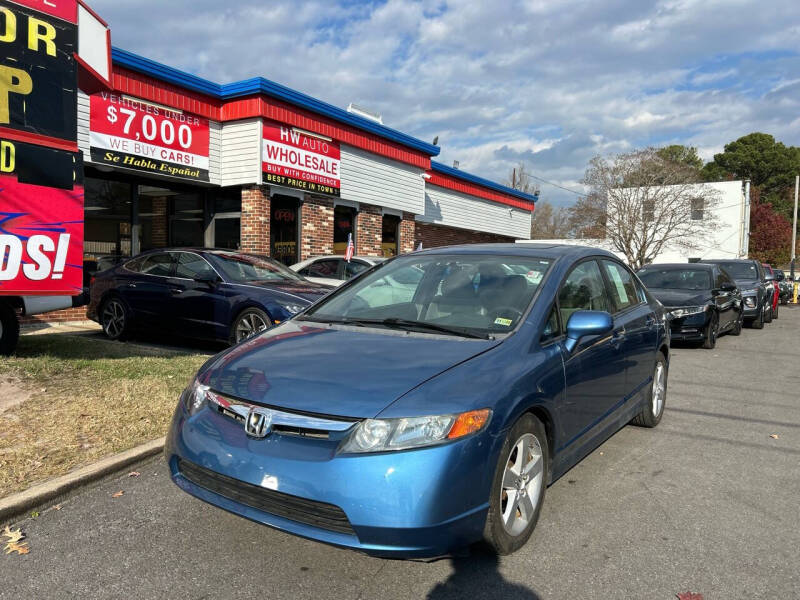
{"x":208,"y":294}
{"x":412,"y":422}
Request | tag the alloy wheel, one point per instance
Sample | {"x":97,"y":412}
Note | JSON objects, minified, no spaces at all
{"x":659,"y":389}
{"x":113,"y":318}
{"x":522,"y":483}
{"x":248,"y":325}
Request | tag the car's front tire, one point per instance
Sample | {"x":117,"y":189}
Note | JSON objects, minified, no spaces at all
{"x":653,"y":408}
{"x":712,"y":332}
{"x":775,"y":312}
{"x":768,"y":317}
{"x":518,"y":487}
{"x":737,"y":328}
{"x":9,"y":328}
{"x":758,"y":322}
{"x":115,"y":319}
{"x":248,"y":323}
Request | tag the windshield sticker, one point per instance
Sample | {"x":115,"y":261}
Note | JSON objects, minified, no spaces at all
{"x":502,"y":321}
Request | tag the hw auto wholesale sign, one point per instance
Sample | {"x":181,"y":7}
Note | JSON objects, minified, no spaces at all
{"x":126,"y":132}
{"x":41,"y":196}
{"x":306,"y":162}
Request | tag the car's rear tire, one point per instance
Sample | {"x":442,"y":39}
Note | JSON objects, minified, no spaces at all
{"x":249,"y":322}
{"x":653,"y":408}
{"x":518,"y":487}
{"x":9,"y":328}
{"x":711,"y":333}
{"x":115,"y":319}
{"x":775,"y":311}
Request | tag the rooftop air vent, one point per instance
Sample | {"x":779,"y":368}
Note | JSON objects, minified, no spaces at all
{"x":363,"y":112}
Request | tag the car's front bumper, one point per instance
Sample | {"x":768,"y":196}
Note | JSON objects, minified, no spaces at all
{"x":688,"y":329}
{"x":416,"y":503}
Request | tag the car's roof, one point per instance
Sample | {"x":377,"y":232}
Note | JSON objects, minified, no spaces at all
{"x":367,"y":258}
{"x":725,"y":261}
{"x":537,"y":250}
{"x":679,"y":266}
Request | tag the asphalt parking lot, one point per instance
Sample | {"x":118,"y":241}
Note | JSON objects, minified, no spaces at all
{"x":707,"y":502}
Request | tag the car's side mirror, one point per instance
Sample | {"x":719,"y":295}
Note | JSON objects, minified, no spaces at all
{"x":583,"y":323}
{"x":727,"y":287}
{"x":209,"y":280}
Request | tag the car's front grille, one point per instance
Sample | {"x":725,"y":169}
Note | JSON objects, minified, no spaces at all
{"x":309,"y":512}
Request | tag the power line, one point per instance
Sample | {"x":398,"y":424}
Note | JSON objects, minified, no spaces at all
{"x":561,"y":187}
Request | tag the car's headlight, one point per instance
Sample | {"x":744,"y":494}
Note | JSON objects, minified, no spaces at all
{"x":381,"y":435}
{"x":750,"y":301}
{"x":293,"y":309}
{"x":677,"y":313}
{"x":195,"y":397}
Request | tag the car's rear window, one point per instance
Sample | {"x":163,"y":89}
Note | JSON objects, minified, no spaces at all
{"x":675,"y":279}
{"x":741,"y":270}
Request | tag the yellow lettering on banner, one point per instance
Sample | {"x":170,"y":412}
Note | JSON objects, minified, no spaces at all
{"x":10,"y":30}
{"x":41,"y":31}
{"x":12,"y":81}
{"x":8,"y":160}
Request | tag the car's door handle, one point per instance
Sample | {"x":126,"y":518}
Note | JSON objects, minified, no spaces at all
{"x":618,"y":336}
{"x":131,"y":285}
{"x":176,"y":291}
{"x":650,"y":321}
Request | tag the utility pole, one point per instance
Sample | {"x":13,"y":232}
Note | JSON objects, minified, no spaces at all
{"x":794,"y":224}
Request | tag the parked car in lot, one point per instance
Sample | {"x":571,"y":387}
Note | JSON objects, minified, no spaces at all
{"x":196,"y":292}
{"x":414,"y":427}
{"x":334,"y":270}
{"x":703,"y":301}
{"x":771,"y":281}
{"x":784,"y":286}
{"x":749,"y":277}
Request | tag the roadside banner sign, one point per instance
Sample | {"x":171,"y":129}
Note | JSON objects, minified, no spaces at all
{"x":135,"y":134}
{"x":300,"y":160}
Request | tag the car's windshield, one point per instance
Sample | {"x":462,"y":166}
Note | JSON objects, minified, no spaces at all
{"x":741,"y":270}
{"x":244,"y":268}
{"x":675,"y":279}
{"x":480,"y":294}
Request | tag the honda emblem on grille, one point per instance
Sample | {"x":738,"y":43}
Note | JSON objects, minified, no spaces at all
{"x":259,"y":422}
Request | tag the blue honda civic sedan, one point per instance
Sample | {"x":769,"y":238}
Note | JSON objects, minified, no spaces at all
{"x":411,"y":420}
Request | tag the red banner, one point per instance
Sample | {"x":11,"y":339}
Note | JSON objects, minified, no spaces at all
{"x":138,"y":135}
{"x":41,"y":239}
{"x":63,"y":9}
{"x":295,"y":159}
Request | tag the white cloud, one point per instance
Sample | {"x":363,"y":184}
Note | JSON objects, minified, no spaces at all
{"x":548,"y":82}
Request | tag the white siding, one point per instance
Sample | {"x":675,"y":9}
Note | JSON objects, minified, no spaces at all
{"x":240,"y":152}
{"x":454,"y":209}
{"x":380,"y":181}
{"x":83,"y":125}
{"x":215,"y":152}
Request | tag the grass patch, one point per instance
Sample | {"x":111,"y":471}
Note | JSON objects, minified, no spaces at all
{"x":89,"y":398}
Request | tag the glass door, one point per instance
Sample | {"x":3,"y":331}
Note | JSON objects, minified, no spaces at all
{"x":283,"y":229}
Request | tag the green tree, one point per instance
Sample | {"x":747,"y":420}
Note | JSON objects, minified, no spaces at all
{"x":677,"y":153}
{"x":769,"y":165}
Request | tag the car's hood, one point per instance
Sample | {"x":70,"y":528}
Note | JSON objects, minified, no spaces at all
{"x":305,"y":290}
{"x":747,"y":284}
{"x":334,"y":370}
{"x":669,"y":297}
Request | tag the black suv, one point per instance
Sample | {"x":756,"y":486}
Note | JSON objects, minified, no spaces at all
{"x":749,"y":277}
{"x":702,"y":301}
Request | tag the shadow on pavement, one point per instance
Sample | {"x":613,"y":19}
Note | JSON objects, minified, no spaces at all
{"x":477,"y":576}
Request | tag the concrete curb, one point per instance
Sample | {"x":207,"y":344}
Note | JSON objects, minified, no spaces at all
{"x":20,"y":503}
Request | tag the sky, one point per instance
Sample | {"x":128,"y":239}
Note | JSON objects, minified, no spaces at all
{"x":551,"y":83}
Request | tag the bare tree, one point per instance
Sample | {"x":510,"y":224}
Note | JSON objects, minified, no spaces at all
{"x":519,"y":179}
{"x":650,"y":204}
{"x":550,"y":222}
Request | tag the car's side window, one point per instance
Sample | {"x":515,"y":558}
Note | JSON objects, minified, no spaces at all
{"x":134,"y":266}
{"x":552,"y":329}
{"x":193,"y":266}
{"x":328,"y":267}
{"x":354,"y":268}
{"x":623,"y":290}
{"x":584,"y":289}
{"x":157,"y":264}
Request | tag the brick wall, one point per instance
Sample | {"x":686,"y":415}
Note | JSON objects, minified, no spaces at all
{"x":369,"y":230}
{"x":160,"y":221}
{"x":57,"y":316}
{"x":316,"y":222}
{"x":439,"y":235}
{"x":255,"y":220}
{"x":407,"y":240}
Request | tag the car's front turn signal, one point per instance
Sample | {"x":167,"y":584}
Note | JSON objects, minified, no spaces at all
{"x":469,"y":422}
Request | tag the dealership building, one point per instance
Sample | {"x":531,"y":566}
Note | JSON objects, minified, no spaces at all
{"x":171,"y":159}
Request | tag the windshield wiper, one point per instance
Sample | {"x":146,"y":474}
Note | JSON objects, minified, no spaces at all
{"x":396,"y":323}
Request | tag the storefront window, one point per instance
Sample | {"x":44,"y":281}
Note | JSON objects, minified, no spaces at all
{"x":344,"y":220}
{"x":187,"y":220}
{"x":283,"y":229}
{"x":107,"y":217}
{"x":391,"y":229}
